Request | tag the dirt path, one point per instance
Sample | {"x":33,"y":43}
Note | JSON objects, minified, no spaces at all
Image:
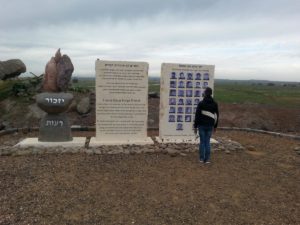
{"x":245,"y":187}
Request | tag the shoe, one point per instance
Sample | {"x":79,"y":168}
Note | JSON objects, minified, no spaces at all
{"x":201,"y":161}
{"x":207,"y":162}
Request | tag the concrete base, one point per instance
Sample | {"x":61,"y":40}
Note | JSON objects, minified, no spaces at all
{"x":188,"y":141}
{"x":33,"y":142}
{"x":94,"y":142}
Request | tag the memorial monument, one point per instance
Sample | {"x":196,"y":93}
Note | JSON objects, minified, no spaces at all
{"x":121,"y":103}
{"x":181,"y":90}
{"x":55,"y":129}
{"x":55,"y":126}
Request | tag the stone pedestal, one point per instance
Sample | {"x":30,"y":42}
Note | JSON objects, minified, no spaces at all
{"x":55,"y":126}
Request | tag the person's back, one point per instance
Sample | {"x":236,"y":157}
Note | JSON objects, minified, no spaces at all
{"x":206,"y":119}
{"x":207,"y":113}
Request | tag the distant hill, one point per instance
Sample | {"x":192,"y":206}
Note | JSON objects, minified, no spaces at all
{"x":217,"y":81}
{"x":257,"y":82}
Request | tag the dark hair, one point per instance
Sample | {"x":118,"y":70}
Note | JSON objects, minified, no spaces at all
{"x":208,"y":92}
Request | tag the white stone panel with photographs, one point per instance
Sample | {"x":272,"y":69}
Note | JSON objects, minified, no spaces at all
{"x":182,"y":86}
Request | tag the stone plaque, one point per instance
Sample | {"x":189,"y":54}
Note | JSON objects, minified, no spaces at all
{"x":121,"y":102}
{"x":181,"y":90}
{"x":54,"y":126}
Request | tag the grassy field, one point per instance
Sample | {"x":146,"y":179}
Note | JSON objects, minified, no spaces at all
{"x":275,"y":94}
{"x":278,"y":95}
{"x":226,"y":91}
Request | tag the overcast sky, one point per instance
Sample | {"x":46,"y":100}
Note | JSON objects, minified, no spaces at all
{"x":244,"y":39}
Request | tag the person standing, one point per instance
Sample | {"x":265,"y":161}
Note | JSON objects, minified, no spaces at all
{"x":206,"y":121}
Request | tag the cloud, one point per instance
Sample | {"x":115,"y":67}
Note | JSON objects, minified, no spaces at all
{"x":244,"y":39}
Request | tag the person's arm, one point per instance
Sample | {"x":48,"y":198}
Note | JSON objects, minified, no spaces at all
{"x":197,"y":115}
{"x":217,"y":112}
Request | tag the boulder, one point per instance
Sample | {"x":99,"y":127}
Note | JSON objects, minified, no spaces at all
{"x":11,"y":68}
{"x":173,"y":152}
{"x":83,"y":106}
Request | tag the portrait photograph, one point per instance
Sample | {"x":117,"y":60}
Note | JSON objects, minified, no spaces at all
{"x":180,"y":101}
{"x":188,"y":101}
{"x":180,"y":110}
{"x":173,"y":75}
{"x":188,"y":118}
{"x":189,"y":84}
{"x":179,"y":126}
{"x":172,"y":92}
{"x":179,"y":118}
{"x":173,"y":84}
{"x":188,"y":110}
{"x":206,"y":76}
{"x":198,"y":76}
{"x":181,"y":93}
{"x":181,"y":84}
{"x":171,"y":118}
{"x":197,"y":93}
{"x":172,"y":101}
{"x":198,"y":84}
{"x":172,"y":110}
{"x":196,"y":101}
{"x":181,"y":75}
{"x":189,"y":93}
{"x":190,"y":76}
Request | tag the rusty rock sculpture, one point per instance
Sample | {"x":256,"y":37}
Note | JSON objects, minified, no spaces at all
{"x":50,"y":79}
{"x":58,"y":73}
{"x":64,"y":69}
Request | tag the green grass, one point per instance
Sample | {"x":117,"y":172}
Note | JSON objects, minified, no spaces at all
{"x":6,"y":88}
{"x":261,"y":94}
{"x":154,"y":86}
{"x":225,"y":92}
{"x":85,"y":83}
{"x":246,"y":93}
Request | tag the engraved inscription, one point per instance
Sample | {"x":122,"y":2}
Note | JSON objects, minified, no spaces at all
{"x":55,"y":100}
{"x":54,"y":123}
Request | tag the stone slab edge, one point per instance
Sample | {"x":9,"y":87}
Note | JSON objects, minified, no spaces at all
{"x":188,"y":141}
{"x":275,"y":134}
{"x":33,"y":142}
{"x":95,"y":143}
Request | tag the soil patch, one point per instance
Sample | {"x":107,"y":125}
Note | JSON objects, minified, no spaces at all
{"x":237,"y":188}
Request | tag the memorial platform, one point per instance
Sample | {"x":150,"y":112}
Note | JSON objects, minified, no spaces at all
{"x":188,"y":141}
{"x":34,"y":142}
{"x":94,"y":142}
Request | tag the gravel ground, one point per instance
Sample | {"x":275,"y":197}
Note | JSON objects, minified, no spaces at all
{"x":259,"y":185}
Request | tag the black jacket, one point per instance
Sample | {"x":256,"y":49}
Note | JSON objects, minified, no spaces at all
{"x":206,"y":106}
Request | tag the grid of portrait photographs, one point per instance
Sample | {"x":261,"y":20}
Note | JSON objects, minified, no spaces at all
{"x":185,"y":93}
